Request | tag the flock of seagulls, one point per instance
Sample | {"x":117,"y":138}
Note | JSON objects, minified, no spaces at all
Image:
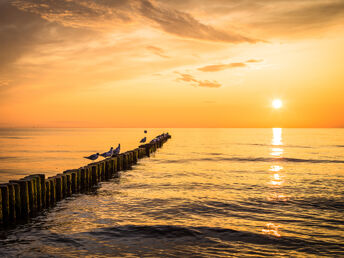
{"x":110,"y":153}
{"x":114,"y":152}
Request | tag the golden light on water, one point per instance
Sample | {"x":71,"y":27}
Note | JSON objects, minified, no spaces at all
{"x":276,"y":168}
{"x":276,"y":136}
{"x":277,"y":103}
{"x":272,"y":229}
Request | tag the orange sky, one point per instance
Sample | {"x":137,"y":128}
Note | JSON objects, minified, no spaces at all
{"x":176,"y":63}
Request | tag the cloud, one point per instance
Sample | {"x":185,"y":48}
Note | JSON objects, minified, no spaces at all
{"x":22,"y":32}
{"x":83,"y":13}
{"x":157,"y":51}
{"x":101,"y":13}
{"x":254,"y":61}
{"x":205,"y":83}
{"x":220,"y":67}
{"x":284,"y":18}
{"x":184,"y":25}
{"x":18,"y":33}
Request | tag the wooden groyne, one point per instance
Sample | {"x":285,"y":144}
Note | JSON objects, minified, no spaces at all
{"x":26,"y":198}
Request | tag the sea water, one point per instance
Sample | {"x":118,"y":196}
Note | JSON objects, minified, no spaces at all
{"x":206,"y":193}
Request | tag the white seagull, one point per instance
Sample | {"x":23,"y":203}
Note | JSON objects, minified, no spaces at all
{"x":93,"y":156}
{"x":107,"y":154}
{"x":117,"y":150}
{"x":143,"y":139}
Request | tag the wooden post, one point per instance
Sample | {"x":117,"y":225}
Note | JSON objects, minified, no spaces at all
{"x":24,"y":198}
{"x":17,"y":197}
{"x":74,"y":181}
{"x":42,"y":187}
{"x":59,"y":190}
{"x":136,"y":155}
{"x":52,"y":182}
{"x":64,"y":185}
{"x":103,"y":170}
{"x":38,"y":191}
{"x":89,"y":177}
{"x":69,"y":184}
{"x":94,"y":175}
{"x":5,"y":203}
{"x":1,"y":216}
{"x":32,"y":196}
{"x":83,"y":179}
{"x":108,"y":168}
{"x":47,"y":194}
{"x":79,"y":180}
{"x":12,"y":202}
{"x":114,"y":166}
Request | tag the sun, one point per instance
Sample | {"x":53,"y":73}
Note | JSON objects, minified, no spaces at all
{"x":277,"y":103}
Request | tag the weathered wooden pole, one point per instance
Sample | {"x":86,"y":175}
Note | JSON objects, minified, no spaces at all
{"x":74,"y":181}
{"x":1,"y":216}
{"x":17,"y":198}
{"x":5,"y":203}
{"x":37,"y":190}
{"x":64,"y":185}
{"x":12,"y":202}
{"x":47,"y":193}
{"x":52,"y":182}
{"x":94,"y":175}
{"x":24,"y":198}
{"x":69,"y":184}
{"x":79,"y":180}
{"x":59,"y":189}
{"x":32,"y":196}
{"x":83,"y":178}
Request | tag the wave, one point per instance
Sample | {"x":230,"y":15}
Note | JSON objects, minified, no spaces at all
{"x":271,"y":145}
{"x":15,"y":137}
{"x":184,"y":239}
{"x":258,"y":159}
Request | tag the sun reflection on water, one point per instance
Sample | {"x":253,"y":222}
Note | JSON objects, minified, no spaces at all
{"x":272,"y":229}
{"x":276,"y":168}
{"x":276,"y":179}
{"x":276,"y":136}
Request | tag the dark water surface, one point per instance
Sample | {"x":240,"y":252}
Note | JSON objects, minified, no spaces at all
{"x":206,"y":193}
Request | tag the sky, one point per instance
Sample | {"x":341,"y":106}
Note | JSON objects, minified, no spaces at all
{"x":175,"y":63}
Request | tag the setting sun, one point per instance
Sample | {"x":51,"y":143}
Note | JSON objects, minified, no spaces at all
{"x":277,"y":103}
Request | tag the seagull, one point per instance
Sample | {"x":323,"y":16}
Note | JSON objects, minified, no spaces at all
{"x":143,"y":139}
{"x":117,"y":150}
{"x":108,"y":153}
{"x":93,"y":156}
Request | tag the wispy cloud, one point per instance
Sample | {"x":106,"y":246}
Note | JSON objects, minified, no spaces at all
{"x":220,"y":67}
{"x":185,"y":25}
{"x":97,"y":14}
{"x":157,"y":51}
{"x":254,"y":61}
{"x":195,"y":82}
{"x":271,"y":17}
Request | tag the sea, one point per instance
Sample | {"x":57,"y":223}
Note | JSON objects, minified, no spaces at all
{"x":206,"y":193}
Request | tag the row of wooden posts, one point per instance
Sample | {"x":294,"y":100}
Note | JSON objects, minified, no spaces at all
{"x":27,"y":197}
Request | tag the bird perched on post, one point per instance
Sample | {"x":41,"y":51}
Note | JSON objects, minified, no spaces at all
{"x":117,"y":150}
{"x":108,"y":153}
{"x":93,"y":156}
{"x":143,"y":140}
